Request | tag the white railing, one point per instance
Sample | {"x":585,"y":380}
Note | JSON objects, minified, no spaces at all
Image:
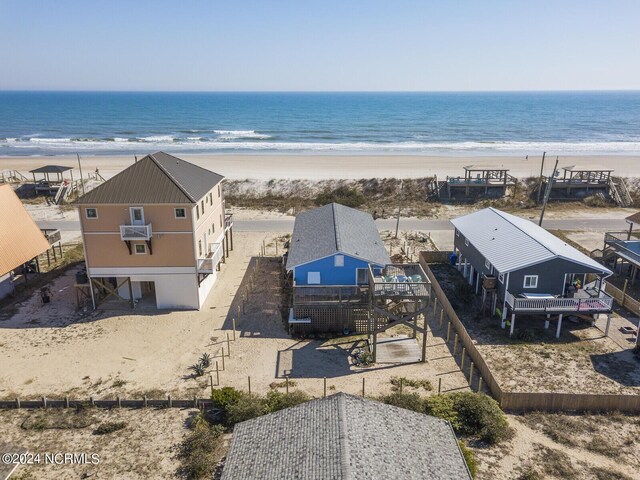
{"x":593,"y":304}
{"x":228,"y":221}
{"x":135,"y":232}
{"x":209,"y":264}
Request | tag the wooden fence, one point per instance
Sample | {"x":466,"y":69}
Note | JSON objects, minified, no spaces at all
{"x":523,"y":401}
{"x":623,"y":298}
{"x":107,"y":403}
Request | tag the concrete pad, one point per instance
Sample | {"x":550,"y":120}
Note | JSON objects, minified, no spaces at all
{"x":400,"y":349}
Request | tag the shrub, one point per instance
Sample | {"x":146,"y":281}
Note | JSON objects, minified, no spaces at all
{"x":198,"y":369}
{"x":410,"y":382}
{"x":246,"y":407}
{"x":225,"y":396}
{"x":344,"y":195}
{"x":109,"y":427}
{"x":470,"y":458}
{"x":481,"y":416}
{"x":277,"y":401}
{"x":201,"y":450}
{"x":205,"y":360}
{"x":410,"y":401}
{"x":443,"y":406}
{"x":530,"y":474}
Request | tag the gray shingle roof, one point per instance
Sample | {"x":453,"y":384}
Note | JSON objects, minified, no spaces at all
{"x":334,"y":228}
{"x":511,"y":243}
{"x":344,"y":437}
{"x":156,"y":178}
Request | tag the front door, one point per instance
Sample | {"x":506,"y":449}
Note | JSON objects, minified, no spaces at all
{"x":137,"y":216}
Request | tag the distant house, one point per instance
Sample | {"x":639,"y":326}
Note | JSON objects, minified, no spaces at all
{"x":526,"y":270}
{"x":156,"y":232}
{"x":344,"y":437}
{"x":21,"y":241}
{"x":622,"y":249}
{"x":334,"y":245}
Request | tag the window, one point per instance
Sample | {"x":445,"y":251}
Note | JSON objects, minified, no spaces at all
{"x":457,"y":232}
{"x":530,"y":281}
{"x":200,"y":247}
{"x":220,"y":220}
{"x":487,"y":264}
{"x":202,"y":206}
{"x":466,"y":242}
{"x":218,"y":191}
{"x":362,"y":276}
{"x":213,"y":228}
{"x":211,"y":198}
{"x":197,"y":212}
{"x":313,"y":278}
{"x":141,"y":248}
{"x":180,"y":212}
{"x":338,"y":261}
{"x":91,"y":212}
{"x":501,"y":278}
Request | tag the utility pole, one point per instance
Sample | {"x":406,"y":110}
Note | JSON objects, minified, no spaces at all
{"x":540,"y":177}
{"x":399,"y":206}
{"x":547,"y":194}
{"x":81,"y":179}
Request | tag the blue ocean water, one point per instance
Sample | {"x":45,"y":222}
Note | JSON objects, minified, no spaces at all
{"x":51,"y":123}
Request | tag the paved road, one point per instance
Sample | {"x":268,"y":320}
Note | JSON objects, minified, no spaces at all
{"x":286,"y":225}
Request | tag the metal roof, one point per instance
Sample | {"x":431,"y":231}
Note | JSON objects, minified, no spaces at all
{"x":20,"y":238}
{"x":511,"y":243}
{"x":332,"y":229}
{"x":344,"y":437}
{"x":156,"y":178}
{"x":51,"y":169}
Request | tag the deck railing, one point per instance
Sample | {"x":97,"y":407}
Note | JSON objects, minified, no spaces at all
{"x":228,"y":221}
{"x":402,"y":280}
{"x":135,"y":232}
{"x":209,"y":264}
{"x":329,"y":294}
{"x":602,"y":303}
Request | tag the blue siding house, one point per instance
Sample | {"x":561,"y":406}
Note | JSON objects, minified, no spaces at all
{"x":334,"y":245}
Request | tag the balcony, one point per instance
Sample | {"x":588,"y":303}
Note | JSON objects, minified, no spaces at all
{"x":135,"y":232}
{"x":581,"y":303}
{"x":210,"y":263}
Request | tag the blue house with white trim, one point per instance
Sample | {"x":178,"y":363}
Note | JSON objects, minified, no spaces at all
{"x":334,"y":245}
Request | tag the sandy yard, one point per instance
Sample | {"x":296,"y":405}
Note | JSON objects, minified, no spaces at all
{"x":582,"y":360}
{"x":145,"y":448}
{"x":55,"y":350}
{"x":565,"y":446}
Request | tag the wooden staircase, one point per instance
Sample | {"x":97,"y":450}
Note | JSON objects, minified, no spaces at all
{"x":619,"y":191}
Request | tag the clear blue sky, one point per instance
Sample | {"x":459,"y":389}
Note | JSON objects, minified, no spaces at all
{"x":319,"y":45}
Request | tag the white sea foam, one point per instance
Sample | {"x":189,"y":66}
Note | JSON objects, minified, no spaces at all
{"x":203,"y":144}
{"x":238,"y":134}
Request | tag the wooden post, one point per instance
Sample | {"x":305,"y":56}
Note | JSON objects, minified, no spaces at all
{"x":480,"y":383}
{"x":92,"y":401}
{"x":401,"y":381}
{"x":119,"y":401}
{"x":464,"y":350}
{"x":363,"y":386}
{"x":624,"y":292}
{"x":211,"y":383}
{"x":325,"y":387}
{"x":606,"y":330}
{"x":448,"y":332}
{"x":441,"y":316}
{"x":228,"y":346}
{"x":424,"y":342}
{"x":223,"y":358}
{"x":249,"y":382}
{"x":169,"y":401}
{"x":44,"y":402}
{"x":18,"y":403}
{"x":217,"y":375}
{"x":144,"y":401}
{"x":233,"y":322}
{"x":286,"y":384}
{"x":435,"y":304}
{"x":455,"y":344}
{"x":471,"y":376}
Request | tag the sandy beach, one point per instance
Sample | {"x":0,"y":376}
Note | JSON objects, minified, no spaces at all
{"x":316,"y":167}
